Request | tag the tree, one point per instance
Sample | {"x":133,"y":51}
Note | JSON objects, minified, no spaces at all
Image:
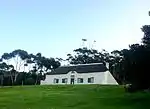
{"x":13,"y":67}
{"x":85,"y":56}
{"x":146,"y":38}
{"x":3,"y":67}
{"x":17,"y":57}
{"x":131,"y":66}
{"x":20,"y":59}
{"x":115,"y":65}
{"x":44,"y":63}
{"x":6,"y":70}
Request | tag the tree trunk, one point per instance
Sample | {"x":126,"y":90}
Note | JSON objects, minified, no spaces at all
{"x":16,"y":75}
{"x":22,"y":82}
{"x":23,"y":79}
{"x":11,"y":77}
{"x":36,"y":80}
{"x":2,"y":79}
{"x":17,"y":63}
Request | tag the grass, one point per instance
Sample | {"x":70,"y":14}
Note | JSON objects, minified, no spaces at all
{"x":72,"y":97}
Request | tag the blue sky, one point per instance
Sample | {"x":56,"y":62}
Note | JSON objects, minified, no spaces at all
{"x":56,"y":27}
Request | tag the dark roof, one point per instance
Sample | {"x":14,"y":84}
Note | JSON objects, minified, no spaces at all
{"x":83,"y":68}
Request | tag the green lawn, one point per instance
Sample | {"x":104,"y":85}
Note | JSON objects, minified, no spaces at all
{"x":72,"y":97}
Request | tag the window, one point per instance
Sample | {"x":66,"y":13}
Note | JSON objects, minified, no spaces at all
{"x":64,"y":80}
{"x":91,"y":80}
{"x":80,"y":80}
{"x":56,"y":80}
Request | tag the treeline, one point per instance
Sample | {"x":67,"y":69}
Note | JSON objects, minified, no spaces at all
{"x":132,"y":65}
{"x":128,"y":66}
{"x":21,"y":68}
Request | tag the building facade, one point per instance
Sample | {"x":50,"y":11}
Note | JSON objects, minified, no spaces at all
{"x":96,"y":73}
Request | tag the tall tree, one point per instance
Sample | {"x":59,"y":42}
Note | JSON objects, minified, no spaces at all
{"x":45,"y":64}
{"x":85,"y":56}
{"x":6,"y":70}
{"x":18,"y":58}
{"x":146,"y":38}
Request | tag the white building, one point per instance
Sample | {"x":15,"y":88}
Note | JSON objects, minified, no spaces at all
{"x":96,"y":73}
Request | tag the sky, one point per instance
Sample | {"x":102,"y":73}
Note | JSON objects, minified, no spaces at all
{"x":57,"y":27}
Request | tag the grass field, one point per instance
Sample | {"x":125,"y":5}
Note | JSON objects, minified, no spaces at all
{"x":72,"y":97}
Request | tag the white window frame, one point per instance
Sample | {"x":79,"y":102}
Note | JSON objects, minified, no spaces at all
{"x":79,"y":80}
{"x":65,"y":79}
{"x":91,"y":80}
{"x":55,"y":80}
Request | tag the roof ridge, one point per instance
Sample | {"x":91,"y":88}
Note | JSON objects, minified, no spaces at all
{"x":81,"y":64}
{"x":81,"y":68}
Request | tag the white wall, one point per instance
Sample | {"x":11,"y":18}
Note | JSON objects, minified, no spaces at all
{"x":99,"y":78}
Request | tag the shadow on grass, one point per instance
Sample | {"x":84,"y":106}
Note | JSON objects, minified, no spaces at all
{"x":129,"y":101}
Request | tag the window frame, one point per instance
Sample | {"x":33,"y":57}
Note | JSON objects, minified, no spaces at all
{"x":56,"y":80}
{"x":80,"y":80}
{"x":64,"y":80}
{"x":91,"y":80}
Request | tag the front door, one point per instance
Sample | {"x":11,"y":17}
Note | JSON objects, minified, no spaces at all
{"x":72,"y":81}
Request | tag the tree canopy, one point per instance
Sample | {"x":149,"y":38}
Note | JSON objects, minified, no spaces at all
{"x":128,"y":66}
{"x":13,"y":65}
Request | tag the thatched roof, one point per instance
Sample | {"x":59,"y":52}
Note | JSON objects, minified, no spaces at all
{"x":83,"y":68}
